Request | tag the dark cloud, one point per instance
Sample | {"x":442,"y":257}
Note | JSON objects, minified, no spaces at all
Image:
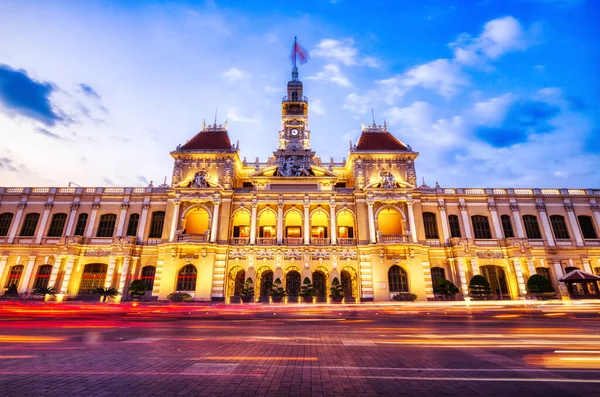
{"x":27,"y":97}
{"x":108,"y":182}
{"x":89,"y":91}
{"x":47,"y":133}
{"x":522,"y":120}
{"x":142,"y":179}
{"x":8,"y":164}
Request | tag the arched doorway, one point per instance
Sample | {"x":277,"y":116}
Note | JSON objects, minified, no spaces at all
{"x":496,"y":276}
{"x":390,"y":225}
{"x":94,"y":276}
{"x":292,"y":285}
{"x":347,"y":285}
{"x":196,"y":225}
{"x":266,"y":283}
{"x":235,"y":281}
{"x":320,"y":285}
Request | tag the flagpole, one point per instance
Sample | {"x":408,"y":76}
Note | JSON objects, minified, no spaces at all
{"x":295,"y":48}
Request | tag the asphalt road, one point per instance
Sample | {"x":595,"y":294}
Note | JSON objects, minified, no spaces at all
{"x":298,"y":351}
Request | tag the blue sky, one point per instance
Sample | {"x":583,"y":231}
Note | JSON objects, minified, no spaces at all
{"x":491,"y":93}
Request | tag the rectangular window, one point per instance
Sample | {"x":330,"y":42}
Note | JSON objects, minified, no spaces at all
{"x":559,"y":227}
{"x":106,"y":226}
{"x":345,"y":232}
{"x":132,"y":226}
{"x":81,"y":223}
{"x":587,"y":227}
{"x":57,"y":225}
{"x":430,"y":224}
{"x":532,"y":229}
{"x":157,"y":224}
{"x":293,"y":232}
{"x":454,"y":226}
{"x":318,"y":232}
{"x":29,"y":225}
{"x":481,"y":227}
{"x":266,"y":232}
{"x":507,"y":226}
{"x":5,"y":221}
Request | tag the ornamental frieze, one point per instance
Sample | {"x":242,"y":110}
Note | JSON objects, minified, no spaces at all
{"x":97,"y":252}
{"x":489,"y":255}
{"x":293,"y":253}
{"x":320,"y":254}
{"x":347,"y":254}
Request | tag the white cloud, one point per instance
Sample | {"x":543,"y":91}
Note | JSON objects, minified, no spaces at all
{"x":331,"y":73}
{"x":342,"y":52}
{"x":492,"y":111}
{"x":235,"y":74}
{"x":233,"y":114}
{"x":441,"y":75}
{"x":316,"y":107}
{"x":357,"y":103}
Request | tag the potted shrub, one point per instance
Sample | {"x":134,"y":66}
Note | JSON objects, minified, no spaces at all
{"x":539,"y":287}
{"x":446,"y":289}
{"x":405,"y":297}
{"x":46,"y":292}
{"x":11,"y":292}
{"x":106,"y":293}
{"x":479,"y":288}
{"x":277,"y":292}
{"x":179,"y":297}
{"x":247,"y":291}
{"x":307,"y":291}
{"x":136,"y":289}
{"x":336,"y":291}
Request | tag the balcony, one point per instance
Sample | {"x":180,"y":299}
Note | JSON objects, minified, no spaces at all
{"x":266,"y":241}
{"x":239,"y":241}
{"x":287,"y":99}
{"x":293,"y":241}
{"x":319,"y":241}
{"x":192,"y":238}
{"x":393,"y":238}
{"x":346,"y":241}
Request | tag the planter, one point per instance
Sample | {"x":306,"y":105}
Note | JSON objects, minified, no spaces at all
{"x":307,"y":299}
{"x":247,"y":299}
{"x":276,"y":299}
{"x":337,"y":299}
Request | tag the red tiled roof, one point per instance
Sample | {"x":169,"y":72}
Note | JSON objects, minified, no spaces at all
{"x":209,"y":140}
{"x":577,"y":275}
{"x":379,"y":141}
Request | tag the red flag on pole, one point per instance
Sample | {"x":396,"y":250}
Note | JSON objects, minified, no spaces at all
{"x":299,"y":53}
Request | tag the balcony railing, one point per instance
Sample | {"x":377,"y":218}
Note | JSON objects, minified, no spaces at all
{"x":193,"y":238}
{"x":293,"y":241}
{"x":239,"y":241}
{"x":266,"y":241}
{"x":433,"y":243}
{"x":319,"y":241}
{"x":288,"y":99}
{"x":346,"y":241}
{"x":393,"y":238}
{"x":490,"y":242}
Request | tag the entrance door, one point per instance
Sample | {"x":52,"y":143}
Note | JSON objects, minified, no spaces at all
{"x":292,"y":283}
{"x":266,"y":282}
{"x":239,"y":282}
{"x":347,"y":284}
{"x":497,"y":278}
{"x":318,"y":279}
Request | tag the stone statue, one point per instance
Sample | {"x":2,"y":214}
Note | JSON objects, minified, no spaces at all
{"x":200,"y":179}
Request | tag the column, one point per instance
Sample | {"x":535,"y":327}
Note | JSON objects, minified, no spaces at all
{"x":142,"y":226}
{"x":514,"y":207}
{"x":54,"y":274}
{"x":465,"y":218}
{"x":586,"y":265}
{"x":27,"y":275}
{"x":530,"y":267}
{"x":411,"y":220}
{"x":474,"y":267}
{"x":541,"y":207}
{"x":215,"y":218}
{"x":519,"y":274}
{"x":306,"y":220}
{"x":280,"y":220}
{"x":427,"y":279}
{"x":370,"y":203}
{"x":463,"y":277}
{"x":122,"y":217}
{"x":3,"y":261}
{"x":175,"y":220}
{"x":110,"y":272}
{"x":558,"y":270}
{"x":64,"y":288}
{"x":574,"y":225}
{"x":72,"y":217}
{"x":253,"y":220}
{"x":444,"y":217}
{"x":16,"y":223}
{"x":42,"y":227}
{"x":92,"y":220}
{"x":332,"y":219}
{"x":495,"y":220}
{"x":124,"y":275}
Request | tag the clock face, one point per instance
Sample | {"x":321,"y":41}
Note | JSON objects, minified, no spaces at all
{"x":294,"y":132}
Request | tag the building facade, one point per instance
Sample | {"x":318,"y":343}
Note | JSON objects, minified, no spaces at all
{"x":363,"y":220}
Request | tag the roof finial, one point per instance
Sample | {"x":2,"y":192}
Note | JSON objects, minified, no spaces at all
{"x":216,"y":111}
{"x":373,"y":114}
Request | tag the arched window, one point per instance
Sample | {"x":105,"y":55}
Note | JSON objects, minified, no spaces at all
{"x":14,"y":276}
{"x":293,"y":225}
{"x":81,"y":223}
{"x":430,"y":223}
{"x":559,"y":227}
{"x":438,"y":274}
{"x":93,"y":277}
{"x":587,"y":227}
{"x":132,"y":225}
{"x":544,"y":272}
{"x":507,"y":226}
{"x":294,"y":96}
{"x":397,"y":279}
{"x":532,"y":229}
{"x":42,"y":277}
{"x":390,"y":222}
{"x":454,"y":226}
{"x":481,"y":226}
{"x":29,"y":225}
{"x":5,"y":221}
{"x":147,"y":276}
{"x":57,"y":225}
{"x":106,"y":227}
{"x":186,"y":279}
{"x":157,"y":224}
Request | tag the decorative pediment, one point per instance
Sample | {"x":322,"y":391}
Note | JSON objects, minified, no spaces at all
{"x":271,"y":172}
